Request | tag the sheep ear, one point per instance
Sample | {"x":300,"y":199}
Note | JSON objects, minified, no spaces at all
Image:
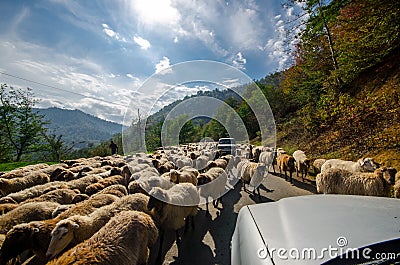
{"x":35,"y":230}
{"x":75,"y":225}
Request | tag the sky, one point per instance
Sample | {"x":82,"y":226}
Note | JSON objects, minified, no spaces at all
{"x":96,"y":55}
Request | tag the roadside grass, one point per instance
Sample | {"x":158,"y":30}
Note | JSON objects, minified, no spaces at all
{"x":4,"y":167}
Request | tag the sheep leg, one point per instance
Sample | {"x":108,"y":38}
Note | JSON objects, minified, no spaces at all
{"x":290,"y":174}
{"x":159,"y":254}
{"x":178,"y":238}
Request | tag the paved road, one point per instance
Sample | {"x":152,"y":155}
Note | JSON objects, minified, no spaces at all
{"x":209,"y":242}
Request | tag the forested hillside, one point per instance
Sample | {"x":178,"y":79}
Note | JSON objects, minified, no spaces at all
{"x":79,"y":128}
{"x":340,"y":98}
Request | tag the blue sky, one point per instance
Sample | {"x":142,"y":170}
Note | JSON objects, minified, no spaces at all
{"x":94,"y":55}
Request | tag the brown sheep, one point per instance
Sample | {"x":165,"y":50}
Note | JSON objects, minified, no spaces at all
{"x":6,"y":207}
{"x":217,"y":163}
{"x":33,"y":192}
{"x":8,"y":186}
{"x":116,"y":189}
{"x":36,"y":235}
{"x":23,"y":171}
{"x":82,"y":183}
{"x":286,"y":163}
{"x":116,"y":243}
{"x":77,"y":228}
{"x":61,"y":196}
{"x":186,"y":174}
{"x":101,"y":184}
{"x":25,"y":213}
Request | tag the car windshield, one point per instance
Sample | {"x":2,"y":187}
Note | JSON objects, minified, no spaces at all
{"x":226,"y":141}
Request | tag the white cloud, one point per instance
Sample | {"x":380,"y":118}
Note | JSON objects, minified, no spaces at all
{"x":239,"y":61}
{"x":143,"y":43}
{"x":111,"y":33}
{"x":162,"y":65}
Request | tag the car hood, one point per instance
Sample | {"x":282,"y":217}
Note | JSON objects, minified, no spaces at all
{"x":318,"y":222}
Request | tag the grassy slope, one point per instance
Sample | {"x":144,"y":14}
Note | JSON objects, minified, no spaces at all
{"x":373,"y":127}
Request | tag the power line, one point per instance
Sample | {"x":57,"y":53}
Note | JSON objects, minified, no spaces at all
{"x":60,"y":89}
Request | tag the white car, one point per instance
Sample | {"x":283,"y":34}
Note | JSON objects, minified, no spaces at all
{"x":316,"y":229}
{"x":226,"y":146}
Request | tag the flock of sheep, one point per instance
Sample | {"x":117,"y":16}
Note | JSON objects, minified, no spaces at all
{"x":94,"y":210}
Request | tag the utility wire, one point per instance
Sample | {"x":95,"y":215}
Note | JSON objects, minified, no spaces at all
{"x":60,"y":89}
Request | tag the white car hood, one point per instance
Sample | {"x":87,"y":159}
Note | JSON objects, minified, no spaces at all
{"x":317,"y":222}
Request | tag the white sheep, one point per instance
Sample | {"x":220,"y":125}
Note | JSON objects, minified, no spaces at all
{"x":171,"y":209}
{"x":212,"y":184}
{"x":362,"y":165}
{"x":267,"y":158}
{"x":317,"y":165}
{"x":75,"y":229}
{"x":144,"y":185}
{"x":302,"y":163}
{"x":124,"y":240}
{"x":340,"y":181}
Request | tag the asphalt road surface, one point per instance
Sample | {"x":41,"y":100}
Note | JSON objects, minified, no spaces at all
{"x":209,"y":242}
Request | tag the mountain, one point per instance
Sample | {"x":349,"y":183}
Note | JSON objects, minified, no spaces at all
{"x":78,"y":128}
{"x":222,"y":95}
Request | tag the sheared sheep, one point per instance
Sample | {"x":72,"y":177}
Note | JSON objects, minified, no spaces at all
{"x":8,"y":186}
{"x":103,"y":183}
{"x":362,"y":165}
{"x":302,"y":163}
{"x":340,"y":181}
{"x":317,"y":164}
{"x":33,"y":192}
{"x":172,"y":208}
{"x":212,"y":184}
{"x":25,"y":213}
{"x":36,"y":235}
{"x":286,"y":163}
{"x":116,"y":243}
{"x":75,"y":229}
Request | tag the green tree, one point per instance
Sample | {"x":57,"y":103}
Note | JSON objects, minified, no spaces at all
{"x":20,"y":126}
{"x":57,"y":146}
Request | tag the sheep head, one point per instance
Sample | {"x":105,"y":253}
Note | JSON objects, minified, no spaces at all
{"x":174,"y":176}
{"x":203,"y":179}
{"x":368,"y":164}
{"x":61,"y":236}
{"x":388,"y":173}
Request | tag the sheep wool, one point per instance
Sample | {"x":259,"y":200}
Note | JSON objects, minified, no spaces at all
{"x":115,"y":243}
